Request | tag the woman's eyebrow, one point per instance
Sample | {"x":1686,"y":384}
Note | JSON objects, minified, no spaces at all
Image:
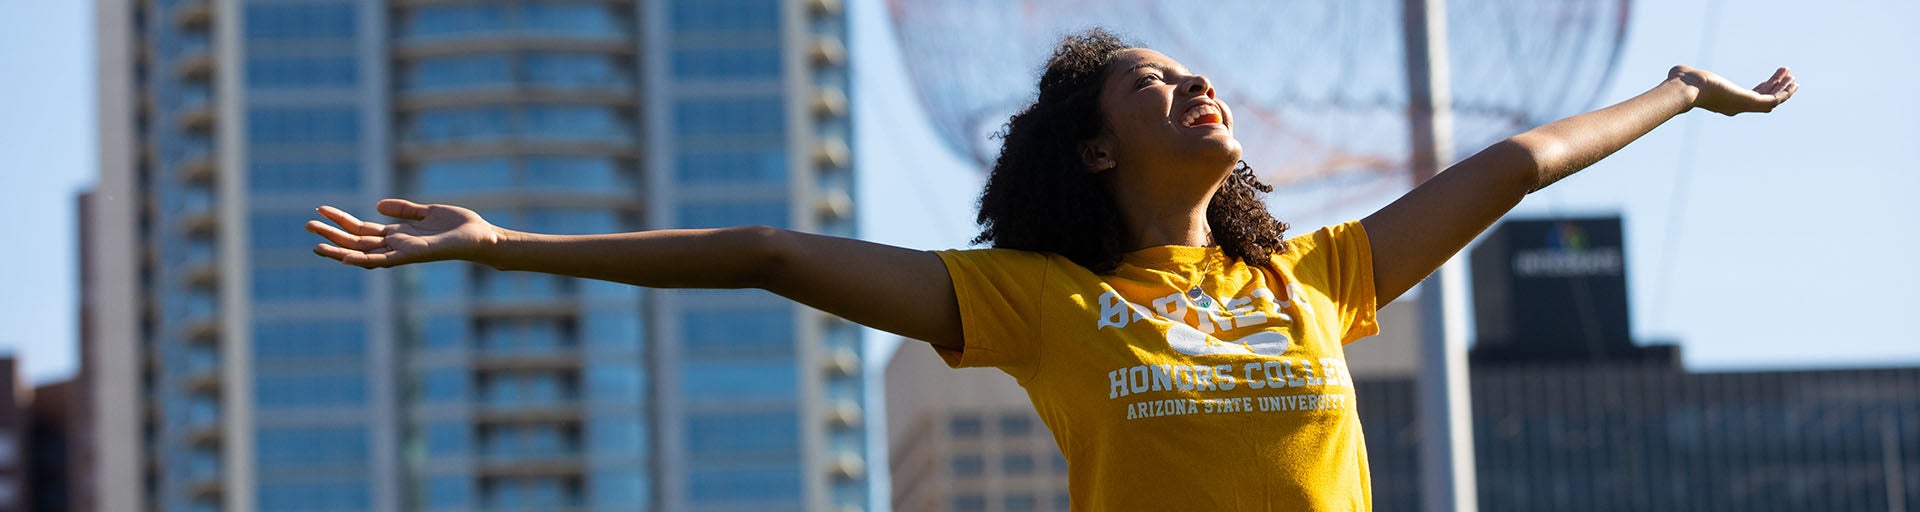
{"x":1155,"y":65}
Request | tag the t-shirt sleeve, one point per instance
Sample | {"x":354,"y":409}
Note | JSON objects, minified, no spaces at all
{"x":1340,"y":259}
{"x":998,"y":291}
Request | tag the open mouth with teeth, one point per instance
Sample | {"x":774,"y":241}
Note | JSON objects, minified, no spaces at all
{"x":1202,"y":114}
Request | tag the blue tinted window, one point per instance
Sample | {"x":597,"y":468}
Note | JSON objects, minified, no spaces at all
{"x":272,"y":391}
{"x":530,"y":388}
{"x":571,"y":18}
{"x":266,"y":177}
{"x":728,"y":63}
{"x":266,"y":22}
{"x":463,"y":176}
{"x":444,"y":492}
{"x":575,"y":70}
{"x":575,"y":123}
{"x":734,"y":116}
{"x":738,"y":331}
{"x":329,"y":496}
{"x":611,"y":329}
{"x":726,"y":15}
{"x":441,"y":331}
{"x":331,"y":282}
{"x":574,"y":173}
{"x":300,"y":446}
{"x":736,"y":485}
{"x":304,"y":340}
{"x":442,"y":385}
{"x":473,"y":124}
{"x":522,"y":335}
{"x":615,"y":381}
{"x":448,"y":438}
{"x":618,"y":488}
{"x":459,"y":72}
{"x":612,"y":435}
{"x":763,"y":165}
{"x":755,"y":435}
{"x":448,"y":20}
{"x":528,"y":493}
{"x":301,"y":72}
{"x":752,"y":380}
{"x":303,"y":125}
{"x":708,"y":215}
{"x":281,"y":231}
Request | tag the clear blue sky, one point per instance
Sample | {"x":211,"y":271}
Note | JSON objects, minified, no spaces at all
{"x":1793,"y":247}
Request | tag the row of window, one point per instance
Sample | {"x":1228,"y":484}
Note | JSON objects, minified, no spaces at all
{"x":725,"y":15}
{"x":523,"y":174}
{"x":326,"y":496}
{"x":328,"y":176}
{"x":594,"y":329}
{"x":281,"y":448}
{"x":296,"y":21}
{"x":761,"y":62}
{"x":302,"y":72}
{"x":750,"y":116}
{"x":275,"y":391}
{"x":764,"y":164}
{"x":303,"y":125}
{"x":971,"y":426}
{"x":456,"y":20}
{"x":307,"y":283}
{"x":607,"y":487}
{"x":571,"y":123}
{"x":562,"y":70}
{"x":1012,"y":502}
{"x":294,"y":341}
{"x":1014,"y":464}
{"x":754,"y":436}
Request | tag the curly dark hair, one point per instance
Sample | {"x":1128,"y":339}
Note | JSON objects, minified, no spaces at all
{"x":1040,"y":197}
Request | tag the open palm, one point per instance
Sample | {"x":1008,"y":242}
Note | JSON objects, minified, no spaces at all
{"x":425,"y":233}
{"x":1723,"y":96}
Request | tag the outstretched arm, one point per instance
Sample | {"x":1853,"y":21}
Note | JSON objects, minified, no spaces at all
{"x":898,"y":290}
{"x":1415,"y":234}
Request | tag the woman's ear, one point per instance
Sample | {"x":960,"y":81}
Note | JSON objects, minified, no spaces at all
{"x":1095,"y":156}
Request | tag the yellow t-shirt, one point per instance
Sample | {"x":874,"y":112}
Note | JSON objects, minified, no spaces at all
{"x":1234,"y":397}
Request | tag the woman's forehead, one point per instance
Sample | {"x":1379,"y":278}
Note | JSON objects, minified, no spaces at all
{"x":1132,"y":59}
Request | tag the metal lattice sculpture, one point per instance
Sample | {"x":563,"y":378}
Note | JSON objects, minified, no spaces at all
{"x":1318,"y":87}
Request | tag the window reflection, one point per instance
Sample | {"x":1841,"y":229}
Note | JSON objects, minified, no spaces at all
{"x":752,"y":380}
{"x":458,"y":72}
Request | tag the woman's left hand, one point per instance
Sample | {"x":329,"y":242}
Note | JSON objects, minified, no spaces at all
{"x":1718,"y":94}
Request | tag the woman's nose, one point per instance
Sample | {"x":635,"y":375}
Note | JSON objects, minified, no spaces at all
{"x":1200,"y":85}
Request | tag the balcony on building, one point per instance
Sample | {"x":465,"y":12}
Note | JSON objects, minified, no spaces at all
{"x":193,"y":57}
{"x":193,"y":14}
{"x":194,"y":108}
{"x":201,"y":370}
{"x":203,"y":420}
{"x":203,"y":476}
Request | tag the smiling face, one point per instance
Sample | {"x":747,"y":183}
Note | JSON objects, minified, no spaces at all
{"x":1160,"y":115}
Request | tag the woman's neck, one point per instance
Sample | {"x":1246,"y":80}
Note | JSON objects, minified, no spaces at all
{"x":1150,"y":225}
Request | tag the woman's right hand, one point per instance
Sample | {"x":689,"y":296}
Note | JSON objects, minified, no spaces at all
{"x":430,"y":232}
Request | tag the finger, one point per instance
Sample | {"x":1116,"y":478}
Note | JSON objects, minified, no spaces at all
{"x":350,"y":223}
{"x":1788,"y":93}
{"x":342,"y":238}
{"x":368,"y":259}
{"x":402,"y":209}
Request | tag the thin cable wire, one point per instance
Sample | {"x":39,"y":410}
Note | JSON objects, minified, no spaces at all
{"x":1687,"y":159}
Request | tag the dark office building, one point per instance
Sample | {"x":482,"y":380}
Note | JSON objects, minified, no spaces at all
{"x":1555,"y":291}
{"x":1569,"y":414}
{"x":1638,"y":438}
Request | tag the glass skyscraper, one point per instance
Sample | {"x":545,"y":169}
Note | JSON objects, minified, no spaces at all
{"x":251,"y":375}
